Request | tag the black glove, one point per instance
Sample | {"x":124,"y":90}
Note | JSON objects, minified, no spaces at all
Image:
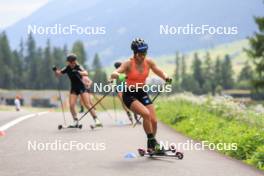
{"x":168,"y":80}
{"x":54,"y":68}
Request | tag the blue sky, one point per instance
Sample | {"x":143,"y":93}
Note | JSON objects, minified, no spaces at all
{"x":13,"y":10}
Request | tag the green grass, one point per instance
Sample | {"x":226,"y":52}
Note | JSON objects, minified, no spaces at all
{"x":200,"y":124}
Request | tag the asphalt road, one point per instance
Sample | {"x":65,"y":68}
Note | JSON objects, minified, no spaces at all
{"x":105,"y":152}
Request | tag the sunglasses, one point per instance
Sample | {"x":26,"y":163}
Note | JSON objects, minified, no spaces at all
{"x":142,"y":54}
{"x":71,"y":61}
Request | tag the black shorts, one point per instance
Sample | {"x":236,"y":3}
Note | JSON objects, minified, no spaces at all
{"x":78,"y":91}
{"x":140,"y":95}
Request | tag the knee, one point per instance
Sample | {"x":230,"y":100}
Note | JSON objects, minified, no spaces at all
{"x":88,"y":104}
{"x":154,"y":121}
{"x":146,"y":115}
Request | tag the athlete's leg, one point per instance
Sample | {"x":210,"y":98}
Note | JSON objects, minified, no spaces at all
{"x":73,"y":101}
{"x":86,"y":99}
{"x":140,"y":109}
{"x":124,"y":107}
{"x":81,"y":106}
{"x":153,"y":118}
{"x":121,"y":100}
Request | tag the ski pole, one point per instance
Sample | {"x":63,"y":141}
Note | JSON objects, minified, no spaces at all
{"x":103,"y":107}
{"x":92,"y":107}
{"x":54,"y":68}
{"x":156,"y":96}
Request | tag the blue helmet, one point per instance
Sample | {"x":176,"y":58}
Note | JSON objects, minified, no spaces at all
{"x":139,"y":46}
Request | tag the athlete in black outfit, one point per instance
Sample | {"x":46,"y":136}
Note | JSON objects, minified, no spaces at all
{"x":76,"y":74}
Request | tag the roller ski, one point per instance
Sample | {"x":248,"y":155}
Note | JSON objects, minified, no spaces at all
{"x":79,"y":126}
{"x":97,"y":124}
{"x":74,"y":125}
{"x":159,"y":151}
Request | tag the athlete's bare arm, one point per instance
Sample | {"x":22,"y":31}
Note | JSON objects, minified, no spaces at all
{"x":58,"y":72}
{"x":122,"y":69}
{"x":157,"y":70}
{"x":83,"y":73}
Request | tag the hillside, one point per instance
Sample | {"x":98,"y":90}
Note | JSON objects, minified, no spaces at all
{"x":125,"y":20}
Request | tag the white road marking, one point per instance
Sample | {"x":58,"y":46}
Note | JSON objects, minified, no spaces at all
{"x":18,"y":120}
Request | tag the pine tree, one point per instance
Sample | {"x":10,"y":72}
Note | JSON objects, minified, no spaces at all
{"x":21,"y":50}
{"x":227,"y":73}
{"x":59,"y":56}
{"x":256,"y":52}
{"x":7,"y":62}
{"x":208,"y":72}
{"x":183,"y":66}
{"x":197,"y":70}
{"x":190,"y":84}
{"x":78,"y":49}
{"x":184,"y":77}
{"x":246,"y":73}
{"x":65,"y":50}
{"x":48,"y":79}
{"x":30,"y":63}
{"x":176,"y":84}
{"x":99,"y":75}
{"x":21,"y":56}
{"x":245,"y":77}
{"x":177,"y":67}
{"x":218,"y":72}
{"x":18,"y":81}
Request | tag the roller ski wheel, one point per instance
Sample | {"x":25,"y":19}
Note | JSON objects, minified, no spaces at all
{"x":96,"y":126}
{"x":92,"y":127}
{"x":60,"y":127}
{"x":80,"y":126}
{"x":150,"y":152}
{"x":173,"y":148}
{"x":141,"y":152}
{"x":70,"y":126}
{"x":179,"y":155}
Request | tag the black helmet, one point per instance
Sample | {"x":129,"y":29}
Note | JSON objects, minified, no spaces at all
{"x":71,"y":57}
{"x":117,"y":64}
{"x":139,"y":46}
